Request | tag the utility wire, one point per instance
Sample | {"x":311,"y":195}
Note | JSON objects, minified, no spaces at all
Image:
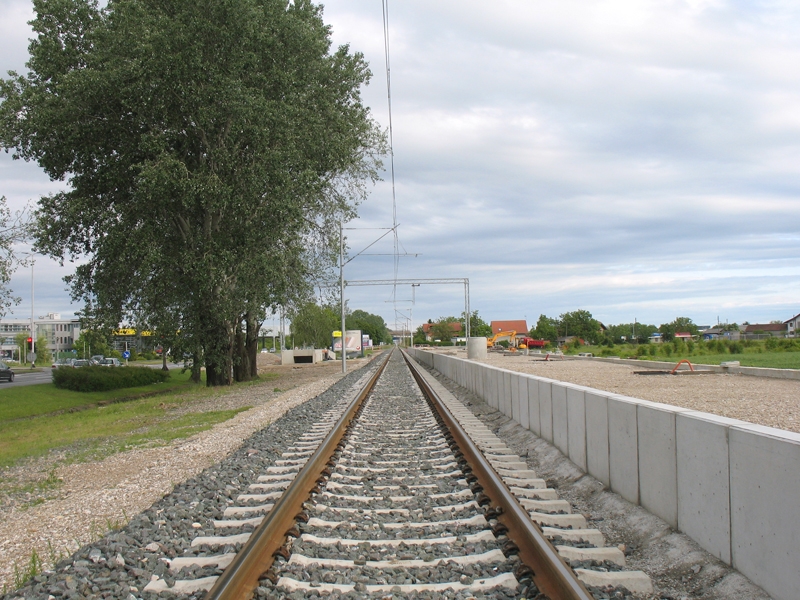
{"x":385,"y":8}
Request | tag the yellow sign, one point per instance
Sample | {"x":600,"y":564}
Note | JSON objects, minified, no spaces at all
{"x":337,"y":334}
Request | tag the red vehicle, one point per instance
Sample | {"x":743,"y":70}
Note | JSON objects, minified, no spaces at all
{"x":532,"y":343}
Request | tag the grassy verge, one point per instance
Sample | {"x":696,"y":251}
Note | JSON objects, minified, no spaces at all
{"x":35,"y":400}
{"x":103,"y":428}
{"x":751,"y":355}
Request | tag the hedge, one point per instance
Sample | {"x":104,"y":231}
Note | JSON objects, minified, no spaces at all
{"x":103,"y":379}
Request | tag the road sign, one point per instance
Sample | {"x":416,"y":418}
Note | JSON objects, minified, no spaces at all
{"x":337,"y":334}
{"x":31,"y":356}
{"x":126,"y":355}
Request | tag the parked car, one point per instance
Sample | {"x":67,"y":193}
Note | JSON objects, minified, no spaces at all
{"x":95,"y":360}
{"x":110,"y":362}
{"x":5,"y":372}
{"x":81,"y":362}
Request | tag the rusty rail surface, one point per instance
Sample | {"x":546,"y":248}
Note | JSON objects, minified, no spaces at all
{"x":240,"y":578}
{"x":550,"y":573}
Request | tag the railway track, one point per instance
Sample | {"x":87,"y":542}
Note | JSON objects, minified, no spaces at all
{"x":394,"y":490}
{"x":388,"y":494}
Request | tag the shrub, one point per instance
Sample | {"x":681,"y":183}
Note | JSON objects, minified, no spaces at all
{"x":736,"y":347}
{"x":641,"y":350}
{"x":667,"y":349}
{"x":102,"y":379}
{"x":690,"y":346}
{"x":771,"y":343}
{"x":652,"y":350}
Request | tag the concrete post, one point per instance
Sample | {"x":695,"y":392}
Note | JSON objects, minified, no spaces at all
{"x":476,"y":347}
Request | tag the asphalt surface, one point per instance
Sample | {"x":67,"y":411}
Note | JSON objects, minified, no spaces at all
{"x":43,"y":375}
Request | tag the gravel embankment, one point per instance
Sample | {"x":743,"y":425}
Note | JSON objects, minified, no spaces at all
{"x":759,"y":400}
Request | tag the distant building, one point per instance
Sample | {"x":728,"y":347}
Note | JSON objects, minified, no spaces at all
{"x":59,"y":333}
{"x":760,"y":330}
{"x":655,"y":338}
{"x":686,"y":337}
{"x":520,"y":326}
{"x":792,"y":326}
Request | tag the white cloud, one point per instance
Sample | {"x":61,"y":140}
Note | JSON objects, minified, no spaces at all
{"x":631,"y":158}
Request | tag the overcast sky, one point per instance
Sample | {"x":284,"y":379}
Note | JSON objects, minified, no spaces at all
{"x":635,"y":159}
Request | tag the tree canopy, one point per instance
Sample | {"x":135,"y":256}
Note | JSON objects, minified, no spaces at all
{"x":372,"y":325}
{"x":14,"y":228}
{"x":210,"y":147}
{"x":313,"y":325}
{"x":546,"y":329}
{"x":679,"y":325}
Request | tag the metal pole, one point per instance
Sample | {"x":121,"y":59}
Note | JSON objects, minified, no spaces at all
{"x":33,"y":326}
{"x":466,"y":307}
{"x":341,"y":294}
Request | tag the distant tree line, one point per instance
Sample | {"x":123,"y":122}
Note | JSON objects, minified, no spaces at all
{"x":582,"y":325}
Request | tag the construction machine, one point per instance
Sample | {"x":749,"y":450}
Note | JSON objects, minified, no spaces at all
{"x":511,"y":336}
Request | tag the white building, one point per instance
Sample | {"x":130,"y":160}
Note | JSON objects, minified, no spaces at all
{"x":59,"y":333}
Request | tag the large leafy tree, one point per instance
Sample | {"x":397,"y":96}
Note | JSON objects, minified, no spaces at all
{"x":209,"y":146}
{"x":313,"y":325}
{"x":679,"y":325}
{"x":372,"y":325}
{"x":546,"y":329}
{"x":581,"y":324}
{"x":477,"y":326}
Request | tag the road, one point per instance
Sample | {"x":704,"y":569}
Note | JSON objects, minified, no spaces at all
{"x":45,"y":375}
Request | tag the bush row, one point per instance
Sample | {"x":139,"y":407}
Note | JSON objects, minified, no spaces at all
{"x":103,"y":379}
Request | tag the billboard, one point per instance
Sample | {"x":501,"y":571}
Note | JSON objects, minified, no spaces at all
{"x":353,"y":342}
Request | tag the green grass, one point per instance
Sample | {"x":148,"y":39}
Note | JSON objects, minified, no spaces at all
{"x":26,"y":401}
{"x":753,"y":355}
{"x":103,"y":428}
{"x":772,"y":360}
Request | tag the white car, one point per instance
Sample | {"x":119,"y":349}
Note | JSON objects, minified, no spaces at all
{"x":110,"y":362}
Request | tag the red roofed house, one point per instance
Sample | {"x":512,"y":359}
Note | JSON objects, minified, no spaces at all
{"x":521,"y":327}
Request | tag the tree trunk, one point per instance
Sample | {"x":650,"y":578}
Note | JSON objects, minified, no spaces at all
{"x":219,"y":357}
{"x":164,"y":359}
{"x":251,"y":343}
{"x":195,"y":368}
{"x":241,"y":362}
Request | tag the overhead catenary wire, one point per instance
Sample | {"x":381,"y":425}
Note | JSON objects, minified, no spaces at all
{"x":387,"y":57}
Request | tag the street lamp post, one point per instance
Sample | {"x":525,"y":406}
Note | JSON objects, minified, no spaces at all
{"x":33,"y":324}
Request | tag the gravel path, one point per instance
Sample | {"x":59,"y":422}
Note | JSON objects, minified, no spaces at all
{"x":759,"y":400}
{"x":97,"y":496}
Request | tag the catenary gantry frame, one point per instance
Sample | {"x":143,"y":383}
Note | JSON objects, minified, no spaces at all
{"x":442,"y":281}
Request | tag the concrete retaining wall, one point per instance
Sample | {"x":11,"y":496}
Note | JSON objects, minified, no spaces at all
{"x":732,"y":486}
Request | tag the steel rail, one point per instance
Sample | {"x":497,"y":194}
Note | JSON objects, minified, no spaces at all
{"x":550,"y":573}
{"x":240,"y":578}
